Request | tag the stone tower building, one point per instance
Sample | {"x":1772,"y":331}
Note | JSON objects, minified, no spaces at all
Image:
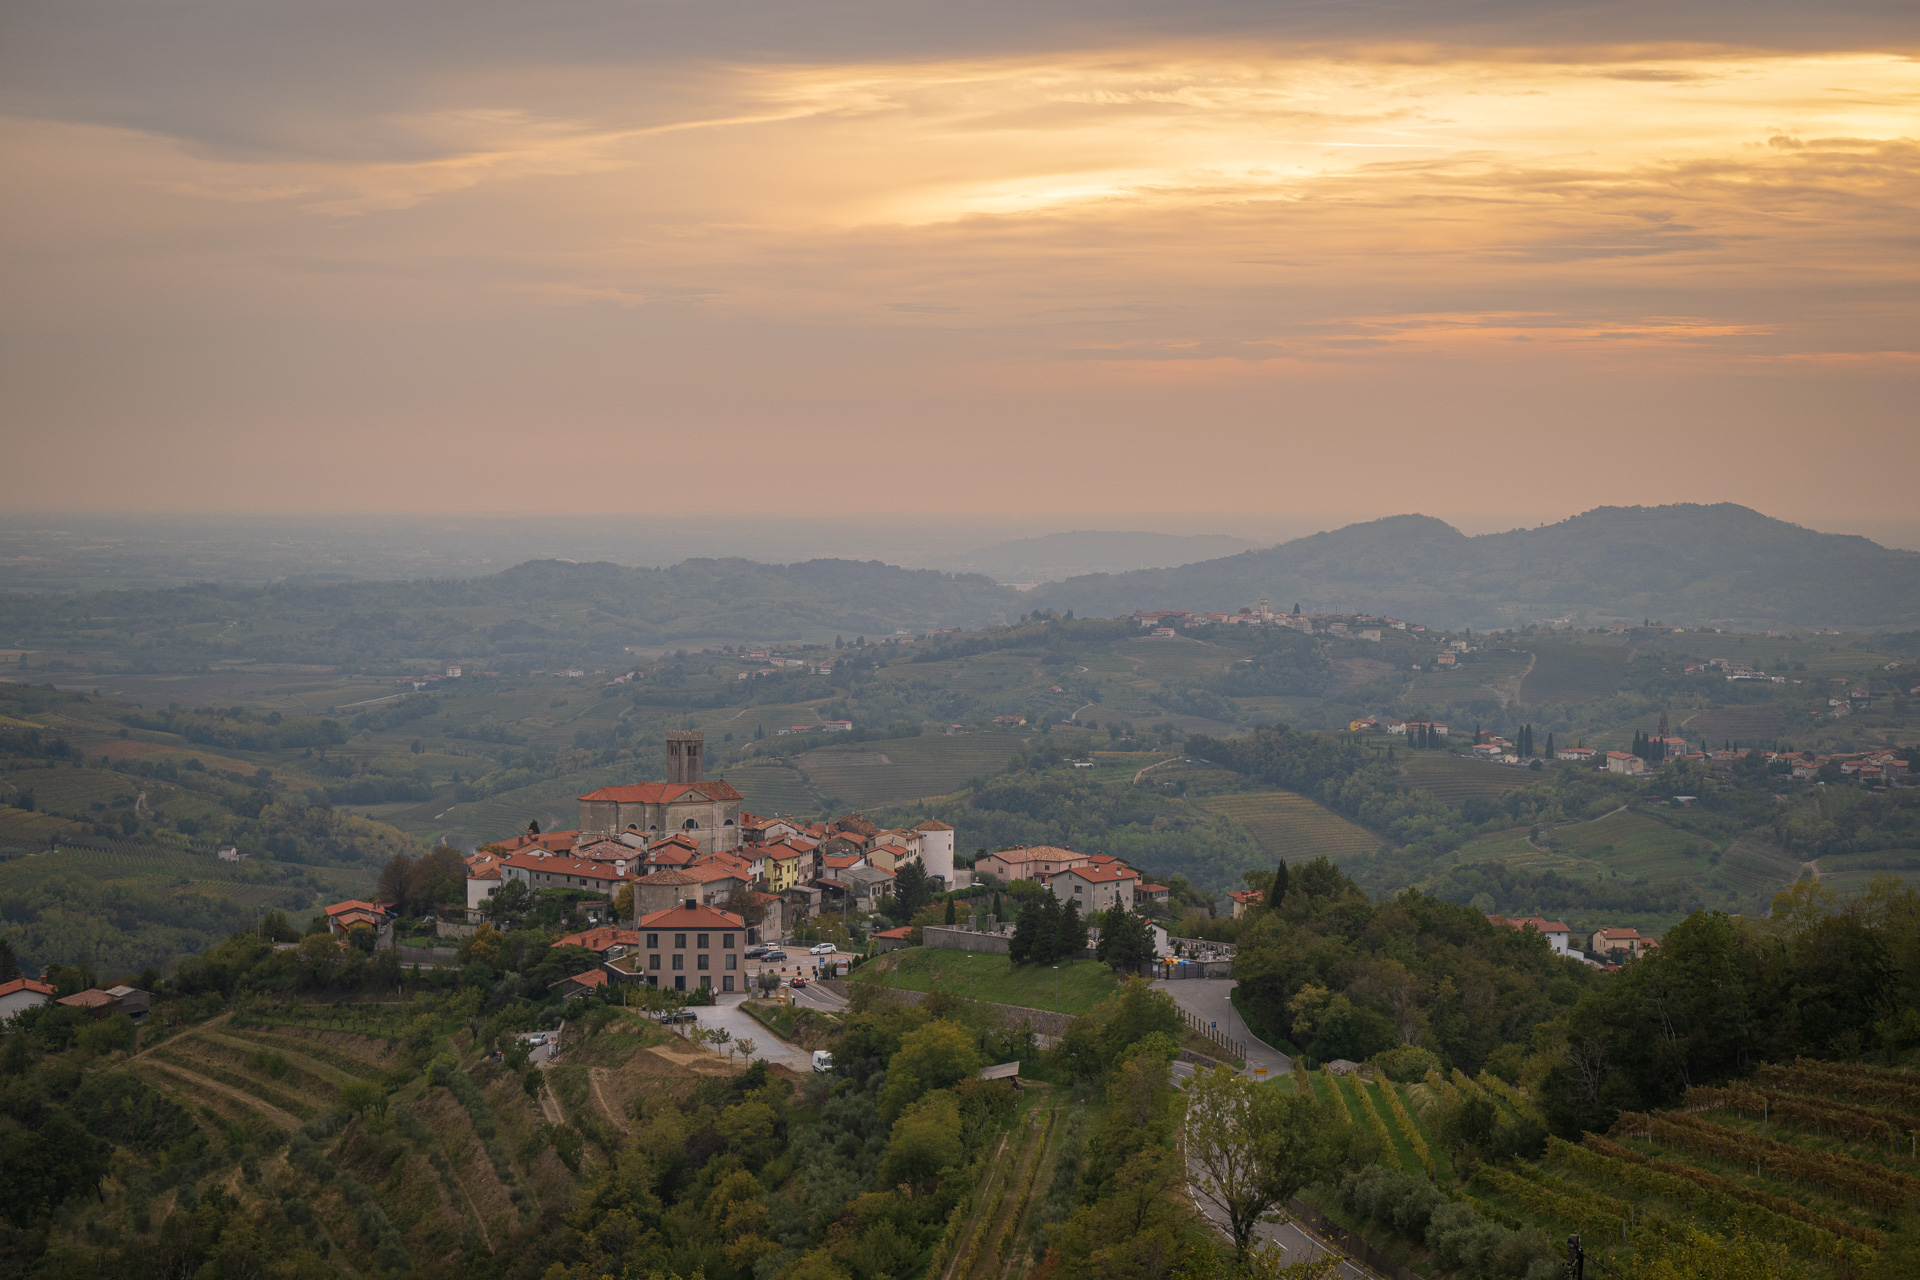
{"x":686,"y":749}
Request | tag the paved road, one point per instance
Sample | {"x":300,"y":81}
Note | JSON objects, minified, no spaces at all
{"x":1297,"y":1245}
{"x":1206,"y":998}
{"x":736,"y":1020}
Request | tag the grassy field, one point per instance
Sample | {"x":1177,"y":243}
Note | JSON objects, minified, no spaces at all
{"x":1747,"y":725}
{"x":868,"y":775}
{"x":1075,"y":987}
{"x":1573,"y":672}
{"x":1810,"y":1181}
{"x":248,"y":883}
{"x":1290,"y":826}
{"x":1455,"y":778}
{"x":1634,"y":844}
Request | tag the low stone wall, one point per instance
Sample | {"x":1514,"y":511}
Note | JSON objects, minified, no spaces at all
{"x":1042,"y":1022}
{"x":1196,"y":969}
{"x":964,"y":940}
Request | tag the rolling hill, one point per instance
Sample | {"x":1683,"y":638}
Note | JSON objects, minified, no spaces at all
{"x":1688,"y":563}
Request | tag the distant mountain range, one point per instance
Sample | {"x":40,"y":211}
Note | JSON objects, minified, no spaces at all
{"x":1683,"y":564}
{"x":1687,"y":564}
{"x":1054,"y":556}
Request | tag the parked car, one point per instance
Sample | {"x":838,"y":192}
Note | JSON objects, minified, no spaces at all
{"x":822,"y":1060}
{"x":756,"y":952}
{"x":820,"y":949}
{"x":798,"y":982}
{"x":775,"y":957}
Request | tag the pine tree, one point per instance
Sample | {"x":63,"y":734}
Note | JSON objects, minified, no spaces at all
{"x":1047,"y":935}
{"x":1023,"y":947}
{"x":1072,"y":938}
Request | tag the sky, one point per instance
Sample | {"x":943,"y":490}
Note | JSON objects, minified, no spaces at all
{"x":1216,"y":265}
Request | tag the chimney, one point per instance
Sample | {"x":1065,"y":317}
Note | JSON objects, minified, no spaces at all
{"x":692,"y":903}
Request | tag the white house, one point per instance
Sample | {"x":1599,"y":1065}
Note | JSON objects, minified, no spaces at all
{"x":1095,"y":888}
{"x":22,"y":994}
{"x":936,"y":850}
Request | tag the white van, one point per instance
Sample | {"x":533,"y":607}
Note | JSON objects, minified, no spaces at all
{"x":822,"y":1060}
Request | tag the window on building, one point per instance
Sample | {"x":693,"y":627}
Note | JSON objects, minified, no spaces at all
{"x":680,"y":941}
{"x":705,"y":982}
{"x":726,"y":983}
{"x":702,"y":962}
{"x":701,"y":942}
{"x":733,"y":962}
{"x":679,"y":984}
{"x":726,"y":941}
{"x":653,"y":961}
{"x":653,"y":940}
{"x":679,"y":962}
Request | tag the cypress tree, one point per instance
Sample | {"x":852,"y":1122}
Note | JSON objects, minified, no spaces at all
{"x":999,"y":913}
{"x":1279,"y":894}
{"x":952,"y":915}
{"x":1023,"y":947}
{"x":1550,"y":751}
{"x":1073,"y":932}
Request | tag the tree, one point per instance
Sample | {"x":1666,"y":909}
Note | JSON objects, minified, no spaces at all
{"x":1279,"y":894}
{"x":1126,"y":940}
{"x":937,"y":1056}
{"x":440,"y":877}
{"x":952,"y":914}
{"x":1253,"y":1147}
{"x":1070,"y":936}
{"x":1024,"y":947}
{"x":745,"y":903}
{"x":9,"y":967}
{"x":510,"y":901}
{"x":911,"y":890}
{"x":394,"y":880}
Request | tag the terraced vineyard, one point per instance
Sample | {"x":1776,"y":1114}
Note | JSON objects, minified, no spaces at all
{"x":771,"y":789}
{"x":1456,"y":778}
{"x":868,"y":775}
{"x":1573,"y":673}
{"x":1798,"y":1170}
{"x":1288,"y":825}
{"x":250,"y":883}
{"x":989,"y":1241}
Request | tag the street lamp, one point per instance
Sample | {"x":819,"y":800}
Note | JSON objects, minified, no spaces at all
{"x":1056,"y":988}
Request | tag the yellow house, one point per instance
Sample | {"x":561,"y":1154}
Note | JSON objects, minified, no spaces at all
{"x":783,"y":867}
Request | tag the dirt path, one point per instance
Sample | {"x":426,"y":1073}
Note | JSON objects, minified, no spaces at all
{"x":208,"y":1025}
{"x":1150,"y":768}
{"x":952,"y":1269}
{"x":595,"y":1075}
{"x":1510,"y":698}
{"x":1812,"y":868}
{"x":550,"y":1106}
{"x":285,"y":1119}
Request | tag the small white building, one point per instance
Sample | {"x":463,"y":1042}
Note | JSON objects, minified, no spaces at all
{"x":22,"y":994}
{"x":1095,"y":888}
{"x":936,"y":850}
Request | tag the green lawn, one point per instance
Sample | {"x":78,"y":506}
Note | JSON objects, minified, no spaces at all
{"x":1075,"y":987}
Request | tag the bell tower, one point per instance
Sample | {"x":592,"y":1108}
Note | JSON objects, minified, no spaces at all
{"x":686,"y":749}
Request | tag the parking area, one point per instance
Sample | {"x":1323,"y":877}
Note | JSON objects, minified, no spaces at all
{"x":794,"y":960}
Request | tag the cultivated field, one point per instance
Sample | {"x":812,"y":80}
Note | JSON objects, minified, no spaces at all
{"x":1288,"y":825}
{"x":1801,"y":1166}
{"x":1455,"y":778}
{"x":771,"y":789}
{"x":1572,"y":672}
{"x":1748,"y":725}
{"x":868,"y":775}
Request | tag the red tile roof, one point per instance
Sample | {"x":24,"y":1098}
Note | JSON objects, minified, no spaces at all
{"x":931,"y":824}
{"x":87,"y":1000}
{"x":591,"y":978}
{"x":354,"y":904}
{"x":1100,"y":875}
{"x":25,"y":984}
{"x":691,"y":918}
{"x":585,"y":868}
{"x":670,"y":875}
{"x":901,"y":932}
{"x":665,"y":792}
